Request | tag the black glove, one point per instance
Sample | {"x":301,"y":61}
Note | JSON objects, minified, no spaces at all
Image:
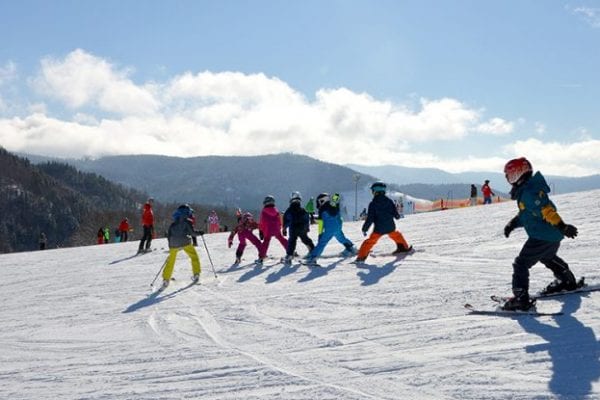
{"x":511,"y":226}
{"x":568,"y":230}
{"x":200,"y":233}
{"x":284,"y":232}
{"x":261,"y":236}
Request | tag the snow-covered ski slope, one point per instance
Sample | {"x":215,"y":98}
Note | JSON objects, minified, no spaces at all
{"x":78,"y":323}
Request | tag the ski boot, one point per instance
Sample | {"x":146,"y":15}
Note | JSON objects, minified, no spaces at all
{"x":165,"y":284}
{"x":401,"y":249}
{"x":559,"y":286}
{"x":195,"y":278}
{"x":519,"y":302}
{"x":350,"y":251}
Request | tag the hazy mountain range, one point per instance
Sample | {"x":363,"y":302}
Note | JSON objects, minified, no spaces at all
{"x":405,"y":176}
{"x":236,"y":181}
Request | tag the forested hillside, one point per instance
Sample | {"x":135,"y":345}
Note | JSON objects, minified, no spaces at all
{"x":70,"y":206}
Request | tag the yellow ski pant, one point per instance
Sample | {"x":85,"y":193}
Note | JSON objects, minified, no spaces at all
{"x":190,"y":251}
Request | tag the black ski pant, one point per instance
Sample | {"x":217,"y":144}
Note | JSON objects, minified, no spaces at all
{"x":146,"y":237}
{"x":293,"y":239}
{"x":534,"y":251}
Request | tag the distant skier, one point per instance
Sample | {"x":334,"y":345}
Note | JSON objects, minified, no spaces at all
{"x":124,"y":229}
{"x":330,"y":225}
{"x":381,"y":214}
{"x":545,"y":230}
{"x":473,"y":195}
{"x":487,"y":192}
{"x":213,"y":222}
{"x":147,"y":227}
{"x":297,"y":221}
{"x":42,"y":241}
{"x":100,"y":236}
{"x":106,"y":235}
{"x":244,"y":232}
{"x":269,"y":224}
{"x":180,"y":238}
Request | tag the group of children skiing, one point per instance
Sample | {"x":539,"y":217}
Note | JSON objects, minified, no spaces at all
{"x":537,"y":214}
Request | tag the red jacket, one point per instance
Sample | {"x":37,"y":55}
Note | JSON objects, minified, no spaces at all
{"x":147,"y":215}
{"x":124,"y":226}
{"x":487,"y":191}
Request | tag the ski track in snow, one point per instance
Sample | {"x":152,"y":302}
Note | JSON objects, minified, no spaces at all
{"x":81,"y":324}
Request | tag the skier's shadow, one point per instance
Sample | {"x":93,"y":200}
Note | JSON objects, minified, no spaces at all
{"x":122,"y":259}
{"x":316,"y":272}
{"x":573,"y":349}
{"x":283,"y":271}
{"x":374,"y":273}
{"x":257,"y":270}
{"x":155,"y":298}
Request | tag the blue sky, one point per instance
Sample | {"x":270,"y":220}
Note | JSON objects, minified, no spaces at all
{"x":457,"y":85}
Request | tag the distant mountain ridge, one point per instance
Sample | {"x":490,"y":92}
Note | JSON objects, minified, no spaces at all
{"x":430,"y":176}
{"x":228,"y":181}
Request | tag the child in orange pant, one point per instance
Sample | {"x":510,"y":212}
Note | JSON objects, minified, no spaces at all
{"x":381,"y":213}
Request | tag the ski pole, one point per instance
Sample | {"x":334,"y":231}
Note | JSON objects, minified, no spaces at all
{"x":208,"y":254}
{"x":159,"y":271}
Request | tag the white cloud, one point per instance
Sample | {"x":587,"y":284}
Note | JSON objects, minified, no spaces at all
{"x":8,"y":72}
{"x":589,"y":14}
{"x":82,"y":79}
{"x":540,"y":128}
{"x":554,"y":158}
{"x":496,"y":126}
{"x":231,"y":113}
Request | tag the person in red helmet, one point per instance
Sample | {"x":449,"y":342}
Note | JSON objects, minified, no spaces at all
{"x":545,"y":230}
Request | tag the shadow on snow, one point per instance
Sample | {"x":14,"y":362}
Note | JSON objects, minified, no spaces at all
{"x":573,"y":349}
{"x":155,"y":298}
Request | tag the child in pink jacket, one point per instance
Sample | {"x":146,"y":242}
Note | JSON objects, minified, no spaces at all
{"x":244,"y":232}
{"x":269,"y":224}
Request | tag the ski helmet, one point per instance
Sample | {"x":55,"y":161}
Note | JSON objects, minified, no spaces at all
{"x":335,"y":199}
{"x":378,"y":187}
{"x":322,"y":199}
{"x":247,"y":217}
{"x":517,"y":169}
{"x":295,"y":197}
{"x":269,"y":200}
{"x":184,"y":211}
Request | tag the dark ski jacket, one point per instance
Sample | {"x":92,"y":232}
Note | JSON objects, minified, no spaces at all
{"x":382,"y":212}
{"x":296,"y":219}
{"x":181,"y":232}
{"x":537,"y":214}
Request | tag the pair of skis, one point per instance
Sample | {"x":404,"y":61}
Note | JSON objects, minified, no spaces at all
{"x":582,"y":287}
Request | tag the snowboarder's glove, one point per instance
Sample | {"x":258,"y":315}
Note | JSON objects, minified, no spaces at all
{"x":511,"y":226}
{"x":284,"y":232}
{"x":568,"y":230}
{"x":364,"y":233}
{"x":261,"y":235}
{"x":229,"y":243}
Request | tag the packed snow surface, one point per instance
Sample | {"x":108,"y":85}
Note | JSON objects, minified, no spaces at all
{"x":80,"y":323}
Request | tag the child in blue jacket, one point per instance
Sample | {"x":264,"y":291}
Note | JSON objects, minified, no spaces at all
{"x":330,"y":226}
{"x":545,"y":230}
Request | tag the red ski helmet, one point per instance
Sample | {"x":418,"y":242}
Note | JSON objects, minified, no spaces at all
{"x":515,"y":169}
